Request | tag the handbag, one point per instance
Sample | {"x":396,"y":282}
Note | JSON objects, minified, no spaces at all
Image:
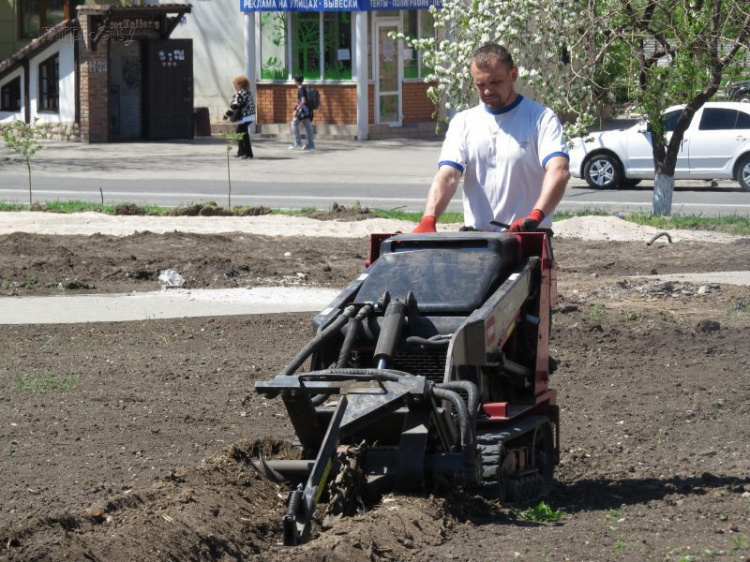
{"x":235,"y":115}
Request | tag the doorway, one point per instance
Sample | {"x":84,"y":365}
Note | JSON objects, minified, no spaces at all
{"x":168,"y":89}
{"x":388,"y":72}
{"x":125,"y":91}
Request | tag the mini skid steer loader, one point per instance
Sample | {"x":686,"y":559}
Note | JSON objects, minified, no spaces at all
{"x":432,"y":366}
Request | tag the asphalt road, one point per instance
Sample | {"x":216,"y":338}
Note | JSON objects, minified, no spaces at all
{"x":392,"y":174}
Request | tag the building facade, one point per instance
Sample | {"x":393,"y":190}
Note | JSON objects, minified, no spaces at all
{"x":370,"y":84}
{"x":111,"y":72}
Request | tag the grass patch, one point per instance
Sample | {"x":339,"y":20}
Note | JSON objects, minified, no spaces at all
{"x":729,"y":224}
{"x":635,"y":317}
{"x":47,"y":381}
{"x":540,"y":513}
{"x":740,"y":307}
{"x":598,"y":312}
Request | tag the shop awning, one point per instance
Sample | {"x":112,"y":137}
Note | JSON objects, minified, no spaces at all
{"x":334,"y":5}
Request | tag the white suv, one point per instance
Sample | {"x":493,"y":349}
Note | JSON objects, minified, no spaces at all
{"x":716,"y":146}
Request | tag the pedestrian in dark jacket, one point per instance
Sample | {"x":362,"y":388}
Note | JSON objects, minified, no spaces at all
{"x":242,"y":112}
{"x":302,"y":114}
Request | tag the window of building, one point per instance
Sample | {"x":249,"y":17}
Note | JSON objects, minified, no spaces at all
{"x":316,"y":45}
{"x":10,"y":95}
{"x":273,"y":33}
{"x":49,"y":84}
{"x":306,"y":44}
{"x":418,"y":24}
{"x":37,"y":16}
{"x":337,"y":46}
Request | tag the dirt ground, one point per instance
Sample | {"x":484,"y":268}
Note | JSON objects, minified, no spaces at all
{"x":130,"y":441}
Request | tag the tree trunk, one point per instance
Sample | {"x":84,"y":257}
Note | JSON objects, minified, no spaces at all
{"x":229,"y":181}
{"x":28,"y":167}
{"x":663,"y":187}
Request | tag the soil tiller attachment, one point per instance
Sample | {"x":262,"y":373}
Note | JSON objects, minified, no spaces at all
{"x":431,"y":367}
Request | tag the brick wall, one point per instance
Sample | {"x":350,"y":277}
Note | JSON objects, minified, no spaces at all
{"x":338,"y":103}
{"x":94,"y":96}
{"x":416,"y":106}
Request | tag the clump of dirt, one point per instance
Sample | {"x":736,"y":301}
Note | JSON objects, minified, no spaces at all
{"x":340,"y":212}
{"x":211,"y":209}
{"x":130,"y":209}
{"x":220,"y":508}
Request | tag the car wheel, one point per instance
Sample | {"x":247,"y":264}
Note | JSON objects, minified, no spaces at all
{"x":743,"y":173}
{"x":602,"y":171}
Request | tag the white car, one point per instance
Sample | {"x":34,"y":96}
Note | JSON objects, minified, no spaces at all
{"x":716,"y":146}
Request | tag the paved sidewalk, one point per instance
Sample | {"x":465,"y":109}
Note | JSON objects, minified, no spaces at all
{"x":393,"y":160}
{"x":384,"y":174}
{"x":168,"y":303}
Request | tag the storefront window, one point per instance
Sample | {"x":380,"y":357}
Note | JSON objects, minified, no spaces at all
{"x":320,"y":45}
{"x":273,"y":32}
{"x":306,"y":44}
{"x":49,"y":83}
{"x":10,"y":95}
{"x":337,"y":46}
{"x":418,"y":24}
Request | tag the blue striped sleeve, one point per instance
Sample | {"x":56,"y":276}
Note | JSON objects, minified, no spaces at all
{"x":554,"y":155}
{"x":452,"y":164}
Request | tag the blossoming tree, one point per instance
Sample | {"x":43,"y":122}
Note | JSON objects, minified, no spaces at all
{"x":574,"y":55}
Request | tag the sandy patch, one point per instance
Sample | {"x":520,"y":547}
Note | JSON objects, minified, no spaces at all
{"x":588,"y":228}
{"x":614,"y":229}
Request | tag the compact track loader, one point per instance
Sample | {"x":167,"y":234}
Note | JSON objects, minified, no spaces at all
{"x":432,"y":366}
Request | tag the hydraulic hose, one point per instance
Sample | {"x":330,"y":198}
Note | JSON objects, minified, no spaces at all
{"x":390,"y":333}
{"x":467,"y":436}
{"x":439,"y":341}
{"x":472,"y":393}
{"x":351,"y":333}
{"x":319,"y":338}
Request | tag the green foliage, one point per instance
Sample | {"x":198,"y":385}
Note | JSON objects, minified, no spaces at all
{"x":539,"y":513}
{"x":31,"y":281}
{"x":47,"y":381}
{"x":22,"y":138}
{"x":598,"y":312}
{"x":635,"y":317}
{"x":620,"y":546}
{"x":740,"y":543}
{"x":581,"y":58}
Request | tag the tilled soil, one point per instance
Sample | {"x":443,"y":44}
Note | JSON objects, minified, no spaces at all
{"x":131,"y":441}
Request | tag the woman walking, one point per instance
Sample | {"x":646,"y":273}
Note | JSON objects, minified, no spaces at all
{"x":242,"y":112}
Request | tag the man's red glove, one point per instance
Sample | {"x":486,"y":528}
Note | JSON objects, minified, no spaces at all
{"x":427,"y":224}
{"x":527,"y":224}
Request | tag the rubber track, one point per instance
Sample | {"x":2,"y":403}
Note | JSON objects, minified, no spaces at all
{"x":490,"y":443}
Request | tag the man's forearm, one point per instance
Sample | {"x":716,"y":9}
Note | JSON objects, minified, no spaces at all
{"x":553,"y":187}
{"x":442,"y":190}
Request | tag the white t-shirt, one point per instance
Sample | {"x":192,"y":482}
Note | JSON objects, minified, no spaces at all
{"x":502,"y":155}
